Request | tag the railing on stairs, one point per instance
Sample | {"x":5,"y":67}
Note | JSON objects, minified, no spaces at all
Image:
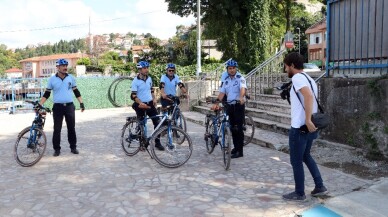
{"x":205,"y":86}
{"x":262,"y":79}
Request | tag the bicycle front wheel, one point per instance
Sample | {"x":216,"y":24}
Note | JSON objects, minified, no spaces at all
{"x":249,"y":129}
{"x":30,"y":146}
{"x":226,"y":147}
{"x":131,"y":137}
{"x":180,"y":120}
{"x":174,"y":154}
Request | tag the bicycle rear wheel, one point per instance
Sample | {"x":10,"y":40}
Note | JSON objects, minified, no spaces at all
{"x":174,"y":154}
{"x":209,"y":140}
{"x":30,"y":146}
{"x":226,"y":147}
{"x":131,"y":137}
{"x":249,"y":129}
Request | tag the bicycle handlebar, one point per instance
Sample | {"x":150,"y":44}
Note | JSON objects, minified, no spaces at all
{"x":36,"y":103}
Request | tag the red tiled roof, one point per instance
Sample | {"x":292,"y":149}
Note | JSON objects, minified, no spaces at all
{"x":13,"y":70}
{"x":54,"y":57}
{"x":317,"y":27}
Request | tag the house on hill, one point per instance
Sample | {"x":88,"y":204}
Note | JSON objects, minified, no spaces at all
{"x":45,"y":66}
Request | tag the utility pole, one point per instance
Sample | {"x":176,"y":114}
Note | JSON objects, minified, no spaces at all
{"x":298,"y":38}
{"x":198,"y":37}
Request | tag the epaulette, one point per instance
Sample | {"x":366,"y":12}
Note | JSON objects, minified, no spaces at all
{"x":238,"y":76}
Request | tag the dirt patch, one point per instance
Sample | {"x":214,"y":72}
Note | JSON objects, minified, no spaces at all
{"x":348,"y":160}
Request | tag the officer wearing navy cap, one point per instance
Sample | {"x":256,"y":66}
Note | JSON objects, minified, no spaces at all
{"x":63,"y":86}
{"x":143,"y":97}
{"x":234,"y":87}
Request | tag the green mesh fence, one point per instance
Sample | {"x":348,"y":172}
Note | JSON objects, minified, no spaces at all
{"x":94,"y":92}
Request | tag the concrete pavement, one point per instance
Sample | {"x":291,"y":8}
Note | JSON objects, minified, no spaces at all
{"x":103,"y":181}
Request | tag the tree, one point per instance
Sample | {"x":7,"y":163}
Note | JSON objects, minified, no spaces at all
{"x":84,"y":61}
{"x":240,"y":26}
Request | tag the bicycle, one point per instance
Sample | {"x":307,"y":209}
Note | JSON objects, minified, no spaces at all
{"x":177,"y":143}
{"x":217,"y":131}
{"x":30,"y":152}
{"x":178,"y":118}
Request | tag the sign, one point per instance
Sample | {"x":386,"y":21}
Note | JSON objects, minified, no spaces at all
{"x":289,"y":40}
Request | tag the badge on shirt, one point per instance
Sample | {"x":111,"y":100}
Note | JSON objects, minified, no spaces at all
{"x":226,"y":82}
{"x":69,"y":87}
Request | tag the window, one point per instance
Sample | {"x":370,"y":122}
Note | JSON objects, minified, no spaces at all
{"x":315,"y":38}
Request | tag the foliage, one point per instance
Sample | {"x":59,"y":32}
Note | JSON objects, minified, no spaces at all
{"x":94,"y":68}
{"x":8,"y":60}
{"x":84,"y":61}
{"x":240,"y":26}
{"x":62,"y":46}
{"x":158,"y":53}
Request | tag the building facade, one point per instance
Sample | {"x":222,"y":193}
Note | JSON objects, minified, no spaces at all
{"x":316,"y":36}
{"x":45,"y":66}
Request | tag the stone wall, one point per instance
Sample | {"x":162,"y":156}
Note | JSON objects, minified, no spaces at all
{"x":359,"y":112}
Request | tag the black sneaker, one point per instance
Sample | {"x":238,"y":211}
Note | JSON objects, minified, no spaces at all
{"x":294,"y":196}
{"x":319,"y":191}
{"x":159,"y":147}
{"x":74,"y":151}
{"x":56,"y":153}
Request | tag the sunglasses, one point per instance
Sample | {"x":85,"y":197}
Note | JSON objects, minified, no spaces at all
{"x":171,"y":70}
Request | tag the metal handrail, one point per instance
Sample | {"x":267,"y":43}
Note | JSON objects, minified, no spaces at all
{"x":200,"y":87}
{"x":256,"y":82}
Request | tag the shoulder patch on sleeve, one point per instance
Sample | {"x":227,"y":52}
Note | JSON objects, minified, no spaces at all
{"x":238,"y":76}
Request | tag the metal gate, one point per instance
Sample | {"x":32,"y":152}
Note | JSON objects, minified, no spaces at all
{"x":357,"y":42}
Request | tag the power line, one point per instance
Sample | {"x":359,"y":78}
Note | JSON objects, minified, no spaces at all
{"x":73,"y":25}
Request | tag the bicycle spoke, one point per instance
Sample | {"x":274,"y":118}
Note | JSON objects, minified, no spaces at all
{"x":29,"y":148}
{"x":175,"y":154}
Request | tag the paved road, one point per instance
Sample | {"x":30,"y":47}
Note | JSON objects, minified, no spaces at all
{"x":103,"y":181}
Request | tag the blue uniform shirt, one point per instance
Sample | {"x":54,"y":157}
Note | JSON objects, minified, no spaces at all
{"x":63,"y":89}
{"x":170,"y":84}
{"x":225,"y":74}
{"x":232,"y":87}
{"x":142,"y":88}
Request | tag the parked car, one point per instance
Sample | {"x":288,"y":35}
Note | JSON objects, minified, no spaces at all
{"x":310,"y":67}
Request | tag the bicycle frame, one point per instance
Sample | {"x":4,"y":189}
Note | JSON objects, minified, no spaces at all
{"x":165,"y":117}
{"x":38,"y":122}
{"x":220,"y":130}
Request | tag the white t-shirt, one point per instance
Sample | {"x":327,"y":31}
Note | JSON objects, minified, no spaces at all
{"x":298,"y":117}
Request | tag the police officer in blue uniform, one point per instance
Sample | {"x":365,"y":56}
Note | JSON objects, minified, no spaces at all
{"x":63,"y":86}
{"x":234,"y":88}
{"x":143,"y":96}
{"x":168,"y":84}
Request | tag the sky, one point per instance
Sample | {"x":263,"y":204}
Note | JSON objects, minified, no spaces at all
{"x":20,"y":19}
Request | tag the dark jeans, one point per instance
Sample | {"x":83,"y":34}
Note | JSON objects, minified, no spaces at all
{"x":236,"y":120}
{"x":67,"y":111}
{"x":300,"y":146}
{"x":165,"y":102}
{"x":140,"y":113}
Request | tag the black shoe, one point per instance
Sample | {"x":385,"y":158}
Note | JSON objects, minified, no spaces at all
{"x":319,"y":191}
{"x":74,"y":151}
{"x":56,"y":153}
{"x":159,"y":147}
{"x":237,"y":155}
{"x":294,"y":196}
{"x":233,"y":151}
